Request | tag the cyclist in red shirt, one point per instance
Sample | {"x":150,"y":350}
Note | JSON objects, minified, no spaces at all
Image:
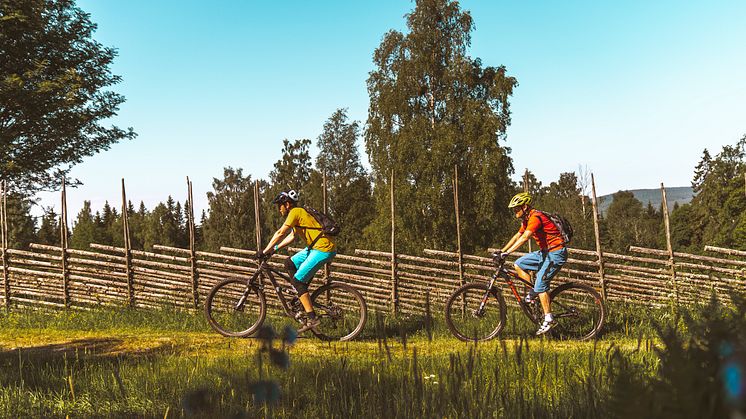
{"x":546,"y":262}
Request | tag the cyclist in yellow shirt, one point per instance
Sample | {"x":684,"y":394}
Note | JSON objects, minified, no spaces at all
{"x":303,"y":265}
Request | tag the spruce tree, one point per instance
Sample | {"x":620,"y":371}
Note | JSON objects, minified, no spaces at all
{"x":84,"y":229}
{"x":230,"y":219}
{"x":348,"y":185}
{"x":49,"y":231}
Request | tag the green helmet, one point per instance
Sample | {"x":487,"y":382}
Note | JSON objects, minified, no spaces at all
{"x":519,"y":200}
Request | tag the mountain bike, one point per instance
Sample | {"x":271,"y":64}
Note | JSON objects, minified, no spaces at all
{"x":477,"y":311}
{"x":237,"y":307}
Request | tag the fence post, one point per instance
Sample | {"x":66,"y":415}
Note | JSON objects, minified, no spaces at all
{"x":458,"y":236}
{"x":4,"y":241}
{"x":597,"y":230}
{"x":325,"y":210}
{"x":671,"y":263}
{"x":127,"y":249}
{"x":394,"y":277}
{"x":192,"y":249}
{"x":257,"y":220}
{"x":63,"y":246}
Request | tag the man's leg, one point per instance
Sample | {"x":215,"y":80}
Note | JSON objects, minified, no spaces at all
{"x":550,"y":268}
{"x":312,"y":261}
{"x":528,"y":262}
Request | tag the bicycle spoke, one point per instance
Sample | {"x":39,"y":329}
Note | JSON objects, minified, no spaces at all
{"x":234,"y":309}
{"x":473,"y":313}
{"x":341,"y":310}
{"x":578,"y":311}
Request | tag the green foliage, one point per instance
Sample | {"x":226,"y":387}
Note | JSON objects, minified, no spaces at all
{"x":629,"y":224}
{"x":565,"y":197}
{"x":49,"y":231}
{"x":692,"y":379}
{"x":348,"y":185}
{"x":231,"y":221}
{"x":716,"y":214}
{"x":294,"y":170}
{"x":21,"y":225}
{"x":84,"y":230}
{"x":53,"y":97}
{"x":433,"y":107}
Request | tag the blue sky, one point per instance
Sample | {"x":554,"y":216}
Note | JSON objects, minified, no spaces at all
{"x":633,"y":90}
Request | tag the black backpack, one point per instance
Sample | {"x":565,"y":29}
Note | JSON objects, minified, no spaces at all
{"x":562,"y":225}
{"x":329,"y":227}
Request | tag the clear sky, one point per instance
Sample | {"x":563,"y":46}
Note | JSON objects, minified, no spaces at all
{"x":634,"y":90}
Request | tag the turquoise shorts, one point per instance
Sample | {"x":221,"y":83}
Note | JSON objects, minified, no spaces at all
{"x":308,"y":262}
{"x":545,"y":264}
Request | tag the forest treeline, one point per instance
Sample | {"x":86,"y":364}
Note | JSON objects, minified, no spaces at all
{"x":715,"y":216}
{"x":432,"y":108}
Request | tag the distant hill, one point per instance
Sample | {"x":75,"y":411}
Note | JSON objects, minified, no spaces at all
{"x":681,"y":194}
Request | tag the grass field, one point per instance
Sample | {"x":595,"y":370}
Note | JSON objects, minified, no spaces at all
{"x":121,"y":362}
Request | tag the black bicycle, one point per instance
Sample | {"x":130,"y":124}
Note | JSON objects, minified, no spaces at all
{"x":476,"y":311}
{"x":237,"y":307}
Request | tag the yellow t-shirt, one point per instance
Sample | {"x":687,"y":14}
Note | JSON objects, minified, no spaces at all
{"x":299,"y":218}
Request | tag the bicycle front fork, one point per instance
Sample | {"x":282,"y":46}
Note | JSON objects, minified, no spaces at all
{"x":480,"y":310}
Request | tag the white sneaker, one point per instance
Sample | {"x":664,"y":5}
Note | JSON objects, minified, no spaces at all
{"x":546,"y":326}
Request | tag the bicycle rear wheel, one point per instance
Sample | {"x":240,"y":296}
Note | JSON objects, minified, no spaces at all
{"x":341,"y":310}
{"x":235,"y":309}
{"x":578,"y":310}
{"x":468,"y":319}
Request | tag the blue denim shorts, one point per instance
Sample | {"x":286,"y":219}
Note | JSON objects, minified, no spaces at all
{"x":308,"y":262}
{"x":545,"y":264}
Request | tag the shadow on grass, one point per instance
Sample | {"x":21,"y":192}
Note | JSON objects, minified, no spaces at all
{"x":98,"y":348}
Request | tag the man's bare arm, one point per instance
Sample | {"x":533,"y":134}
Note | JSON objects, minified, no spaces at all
{"x":520,"y":241}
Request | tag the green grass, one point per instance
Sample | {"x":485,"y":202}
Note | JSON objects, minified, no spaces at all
{"x":121,"y":362}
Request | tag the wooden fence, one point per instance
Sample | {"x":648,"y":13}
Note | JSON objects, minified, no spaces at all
{"x":45,"y":276}
{"x":58,"y":276}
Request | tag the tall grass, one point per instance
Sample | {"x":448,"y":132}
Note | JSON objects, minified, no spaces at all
{"x":660,"y":365}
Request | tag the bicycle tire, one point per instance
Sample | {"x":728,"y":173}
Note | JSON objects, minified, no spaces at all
{"x":222,"y":314}
{"x":344,"y":299}
{"x":578,"y":310}
{"x":470,"y":326}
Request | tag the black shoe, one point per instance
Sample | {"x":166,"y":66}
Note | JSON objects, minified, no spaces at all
{"x":310,"y":324}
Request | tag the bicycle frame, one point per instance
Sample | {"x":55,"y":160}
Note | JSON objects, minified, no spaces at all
{"x":264,"y":270}
{"x":508,"y":275}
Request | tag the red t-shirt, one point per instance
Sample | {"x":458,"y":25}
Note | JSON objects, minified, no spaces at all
{"x":546,"y":234}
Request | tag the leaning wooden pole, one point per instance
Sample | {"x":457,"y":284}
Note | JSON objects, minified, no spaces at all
{"x":4,"y":241}
{"x":394,"y":276}
{"x":127,"y":250}
{"x":257,"y":219}
{"x":597,"y":230}
{"x":63,"y":246}
{"x":669,"y":246}
{"x":327,"y":278}
{"x":457,"y":209}
{"x":192,"y":247}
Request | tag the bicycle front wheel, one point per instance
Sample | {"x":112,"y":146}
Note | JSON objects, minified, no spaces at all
{"x":578,"y":310}
{"x":341,"y":310}
{"x":474,"y":312}
{"x":235,"y":309}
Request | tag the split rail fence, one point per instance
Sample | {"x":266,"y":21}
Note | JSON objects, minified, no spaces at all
{"x":58,"y":276}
